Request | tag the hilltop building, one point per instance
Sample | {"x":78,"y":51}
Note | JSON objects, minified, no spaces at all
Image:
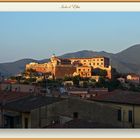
{"x":59,"y":68}
{"x":133,"y":78}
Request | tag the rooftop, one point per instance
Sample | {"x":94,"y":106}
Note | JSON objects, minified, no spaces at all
{"x":89,"y":57}
{"x":29,"y":103}
{"x":119,"y":96}
{"x":11,"y":96}
{"x":133,"y":74}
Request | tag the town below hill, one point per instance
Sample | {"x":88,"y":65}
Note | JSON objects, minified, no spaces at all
{"x":84,"y":92}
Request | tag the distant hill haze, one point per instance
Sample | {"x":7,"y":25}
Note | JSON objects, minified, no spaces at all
{"x":125,"y":61}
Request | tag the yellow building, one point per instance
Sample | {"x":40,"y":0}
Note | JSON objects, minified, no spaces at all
{"x":127,"y":106}
{"x":84,"y":71}
{"x":93,"y":63}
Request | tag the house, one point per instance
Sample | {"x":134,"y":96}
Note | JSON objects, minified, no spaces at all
{"x":115,"y":109}
{"x":18,"y":87}
{"x":127,"y":106}
{"x":133,"y":78}
{"x":78,"y":92}
{"x":68,"y":83}
{"x":121,"y":79}
{"x":30,"y":112}
{"x":6,"y":97}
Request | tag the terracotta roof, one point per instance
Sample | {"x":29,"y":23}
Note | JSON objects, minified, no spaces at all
{"x":119,"y":96}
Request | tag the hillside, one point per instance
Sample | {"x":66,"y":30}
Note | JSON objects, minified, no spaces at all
{"x":12,"y":68}
{"x":130,"y":55}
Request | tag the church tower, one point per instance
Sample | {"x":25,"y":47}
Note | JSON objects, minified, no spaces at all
{"x":55,"y":60}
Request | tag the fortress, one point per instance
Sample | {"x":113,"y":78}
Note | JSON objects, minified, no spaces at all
{"x":59,"y":68}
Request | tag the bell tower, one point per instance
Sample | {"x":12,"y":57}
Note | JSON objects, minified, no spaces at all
{"x":54,"y":60}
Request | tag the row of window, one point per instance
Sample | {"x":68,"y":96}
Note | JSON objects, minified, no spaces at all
{"x":94,"y":64}
{"x":85,"y":74}
{"x":129,"y":115}
{"x":83,"y":69}
{"x":94,"y":60}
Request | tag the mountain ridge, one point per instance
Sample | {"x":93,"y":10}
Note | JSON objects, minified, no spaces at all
{"x":125,"y":61}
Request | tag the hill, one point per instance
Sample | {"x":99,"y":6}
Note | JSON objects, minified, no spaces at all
{"x":12,"y":68}
{"x":125,"y":61}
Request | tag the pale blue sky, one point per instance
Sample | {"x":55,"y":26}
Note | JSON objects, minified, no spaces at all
{"x":38,"y":35}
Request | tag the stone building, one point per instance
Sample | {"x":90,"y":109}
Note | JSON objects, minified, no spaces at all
{"x":30,"y":112}
{"x":60,"y":68}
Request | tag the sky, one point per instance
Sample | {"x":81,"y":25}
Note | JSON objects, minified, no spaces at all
{"x":38,"y":35}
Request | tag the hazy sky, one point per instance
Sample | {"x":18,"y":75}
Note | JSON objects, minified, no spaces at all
{"x":40,"y":34}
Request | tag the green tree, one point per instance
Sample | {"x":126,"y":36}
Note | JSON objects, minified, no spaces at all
{"x":76,"y":80}
{"x":113,"y":84}
{"x":67,"y":78}
{"x":102,"y":82}
{"x":99,"y":72}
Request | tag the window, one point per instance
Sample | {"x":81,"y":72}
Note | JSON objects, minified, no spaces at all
{"x":75,"y":115}
{"x":102,"y":59}
{"x":119,"y":115}
{"x":26,"y":122}
{"x":97,"y":63}
{"x":130,"y":116}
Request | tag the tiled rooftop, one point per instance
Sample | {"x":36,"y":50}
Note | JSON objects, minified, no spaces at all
{"x":11,"y":96}
{"x":29,"y":103}
{"x":119,"y":96}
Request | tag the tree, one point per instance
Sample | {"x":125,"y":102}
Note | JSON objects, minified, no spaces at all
{"x":76,"y":80}
{"x":85,"y":84}
{"x":114,"y":84}
{"x":32,"y":73}
{"x":102,"y":83}
{"x":67,"y":78}
{"x":99,"y":72}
